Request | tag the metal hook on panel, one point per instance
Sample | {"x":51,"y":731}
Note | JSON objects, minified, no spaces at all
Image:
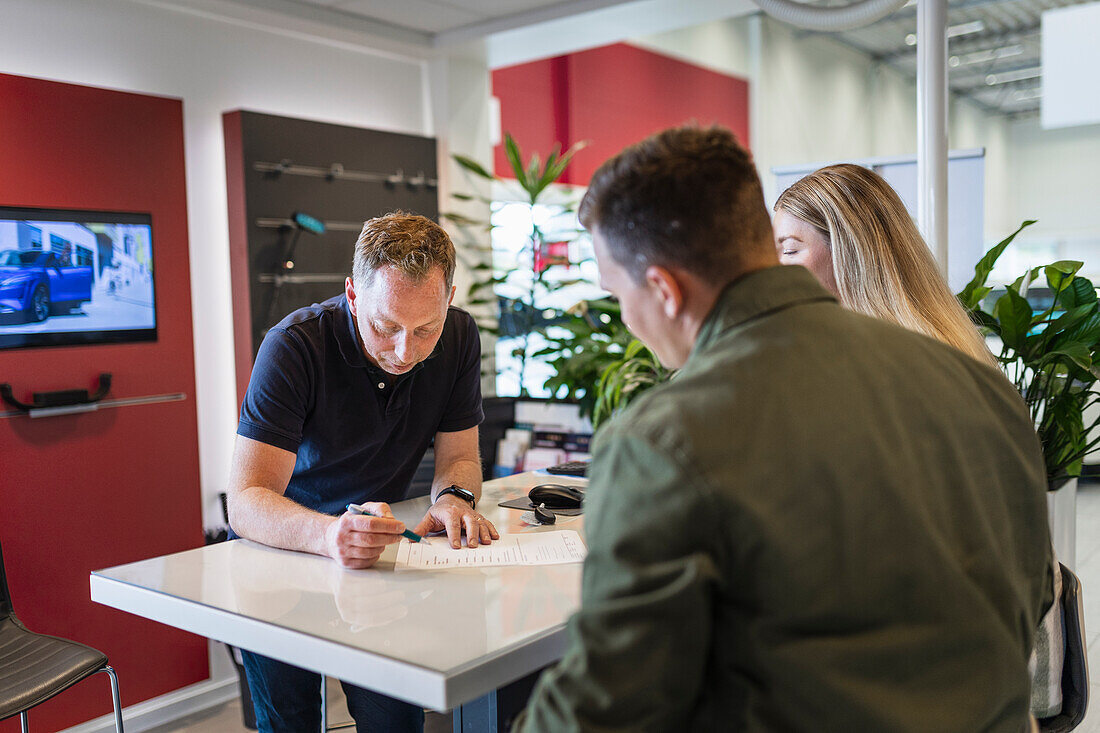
{"x":334,"y":171}
{"x":280,"y":168}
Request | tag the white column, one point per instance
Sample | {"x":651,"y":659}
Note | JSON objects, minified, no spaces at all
{"x":932,"y":126}
{"x":458,"y":94}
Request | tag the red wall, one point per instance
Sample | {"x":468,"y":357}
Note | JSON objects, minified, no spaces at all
{"x":93,"y":490}
{"x":611,"y":96}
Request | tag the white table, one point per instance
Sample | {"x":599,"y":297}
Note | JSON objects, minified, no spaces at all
{"x":435,"y":638}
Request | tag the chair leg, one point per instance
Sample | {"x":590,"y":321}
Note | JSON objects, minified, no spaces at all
{"x":115,"y":699}
{"x":23,"y":725}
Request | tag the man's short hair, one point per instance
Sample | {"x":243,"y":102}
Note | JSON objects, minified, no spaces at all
{"x":687,"y":197}
{"x":414,"y":244}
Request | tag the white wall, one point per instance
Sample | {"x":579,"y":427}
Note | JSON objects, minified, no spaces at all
{"x":214,"y":67}
{"x":1056,"y":179}
{"x":814,"y":99}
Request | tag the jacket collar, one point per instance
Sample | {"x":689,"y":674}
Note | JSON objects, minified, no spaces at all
{"x":757,"y":294}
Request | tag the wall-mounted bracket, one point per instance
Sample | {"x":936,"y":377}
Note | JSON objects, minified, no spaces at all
{"x":93,"y":406}
{"x":65,"y":398}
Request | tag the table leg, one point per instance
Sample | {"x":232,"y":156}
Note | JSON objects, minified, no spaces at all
{"x":494,"y":712}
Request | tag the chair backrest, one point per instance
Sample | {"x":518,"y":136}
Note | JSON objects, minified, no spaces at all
{"x":1075,"y":668}
{"x":5,"y":596}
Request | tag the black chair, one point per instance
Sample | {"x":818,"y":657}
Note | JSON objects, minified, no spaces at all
{"x":35,"y":667}
{"x":1075,"y":669}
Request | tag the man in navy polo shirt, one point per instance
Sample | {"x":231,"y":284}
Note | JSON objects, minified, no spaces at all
{"x":344,"y":399}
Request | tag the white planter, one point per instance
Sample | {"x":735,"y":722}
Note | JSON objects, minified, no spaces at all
{"x":1062,"y":513}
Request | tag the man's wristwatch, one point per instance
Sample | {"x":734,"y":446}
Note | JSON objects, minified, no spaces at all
{"x":460,"y":492}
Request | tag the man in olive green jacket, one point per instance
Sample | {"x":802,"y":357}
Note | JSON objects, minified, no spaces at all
{"x":823,"y":523}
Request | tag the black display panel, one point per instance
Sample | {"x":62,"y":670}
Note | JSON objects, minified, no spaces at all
{"x":70,"y":277}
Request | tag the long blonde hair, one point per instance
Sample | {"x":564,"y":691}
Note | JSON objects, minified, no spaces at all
{"x":881,"y":264}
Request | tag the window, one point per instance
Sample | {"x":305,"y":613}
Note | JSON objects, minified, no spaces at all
{"x":62,"y":248}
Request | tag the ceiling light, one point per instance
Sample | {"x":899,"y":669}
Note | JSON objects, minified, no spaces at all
{"x":1025,"y":94}
{"x":965,"y":29}
{"x":953,"y":31}
{"x":953,"y":61}
{"x":990,"y":54}
{"x":1006,"y":77}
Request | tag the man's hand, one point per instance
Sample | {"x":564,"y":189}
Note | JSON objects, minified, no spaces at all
{"x":357,"y":540}
{"x":455,"y":515}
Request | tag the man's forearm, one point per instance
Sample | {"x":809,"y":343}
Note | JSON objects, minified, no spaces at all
{"x":464,"y":472}
{"x":266,"y":516}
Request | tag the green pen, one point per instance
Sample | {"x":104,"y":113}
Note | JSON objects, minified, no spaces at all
{"x":408,"y":533}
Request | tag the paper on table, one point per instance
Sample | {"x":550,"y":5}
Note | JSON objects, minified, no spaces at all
{"x":540,"y":548}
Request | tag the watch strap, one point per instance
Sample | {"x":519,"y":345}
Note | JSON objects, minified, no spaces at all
{"x":464,"y":494}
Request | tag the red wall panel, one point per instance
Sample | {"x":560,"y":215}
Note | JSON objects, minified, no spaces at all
{"x":92,"y":490}
{"x":238,"y":250}
{"x":611,"y":96}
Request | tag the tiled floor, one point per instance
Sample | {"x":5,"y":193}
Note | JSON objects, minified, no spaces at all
{"x":227,"y":718}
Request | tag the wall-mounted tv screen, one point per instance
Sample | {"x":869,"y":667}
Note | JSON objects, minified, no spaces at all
{"x":75,"y":277}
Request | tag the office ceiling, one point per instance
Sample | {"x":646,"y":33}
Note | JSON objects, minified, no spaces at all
{"x":993,"y":44}
{"x":994,"y":59}
{"x":460,"y":18}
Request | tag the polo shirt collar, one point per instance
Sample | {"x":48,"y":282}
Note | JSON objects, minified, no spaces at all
{"x":757,"y":294}
{"x":347,"y":336}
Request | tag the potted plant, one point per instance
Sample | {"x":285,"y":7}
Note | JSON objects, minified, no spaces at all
{"x":593,"y":358}
{"x":1050,"y":349}
{"x":636,"y":371}
{"x":513,"y":285}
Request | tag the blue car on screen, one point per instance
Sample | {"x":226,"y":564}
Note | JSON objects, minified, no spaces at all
{"x":37,"y":283}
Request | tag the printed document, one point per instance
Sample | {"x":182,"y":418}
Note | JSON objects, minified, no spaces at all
{"x":539,"y":548}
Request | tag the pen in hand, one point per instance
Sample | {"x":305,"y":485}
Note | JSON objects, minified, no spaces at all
{"x":408,"y":534}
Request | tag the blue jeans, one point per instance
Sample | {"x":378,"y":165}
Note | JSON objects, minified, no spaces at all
{"x":287,"y":699}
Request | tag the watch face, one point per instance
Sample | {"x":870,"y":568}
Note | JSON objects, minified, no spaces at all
{"x":460,"y":492}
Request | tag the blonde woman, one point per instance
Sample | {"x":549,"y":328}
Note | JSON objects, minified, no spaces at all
{"x":847,"y":226}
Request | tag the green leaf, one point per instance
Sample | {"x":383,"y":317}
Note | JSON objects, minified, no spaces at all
{"x":531,"y":178}
{"x":1014,"y":313}
{"x":985,"y":320}
{"x":554,"y":173}
{"x":1061,"y":333}
{"x":1077,"y":353}
{"x":547,"y":176}
{"x":511,"y":151}
{"x":461,"y":219}
{"x":1080,"y":292}
{"x":473,"y":166}
{"x":1088,"y":332}
{"x":1060,"y":273}
{"x":985,"y":266}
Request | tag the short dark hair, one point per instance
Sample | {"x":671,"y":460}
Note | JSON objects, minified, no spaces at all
{"x":688,"y":197}
{"x":413,"y":244}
